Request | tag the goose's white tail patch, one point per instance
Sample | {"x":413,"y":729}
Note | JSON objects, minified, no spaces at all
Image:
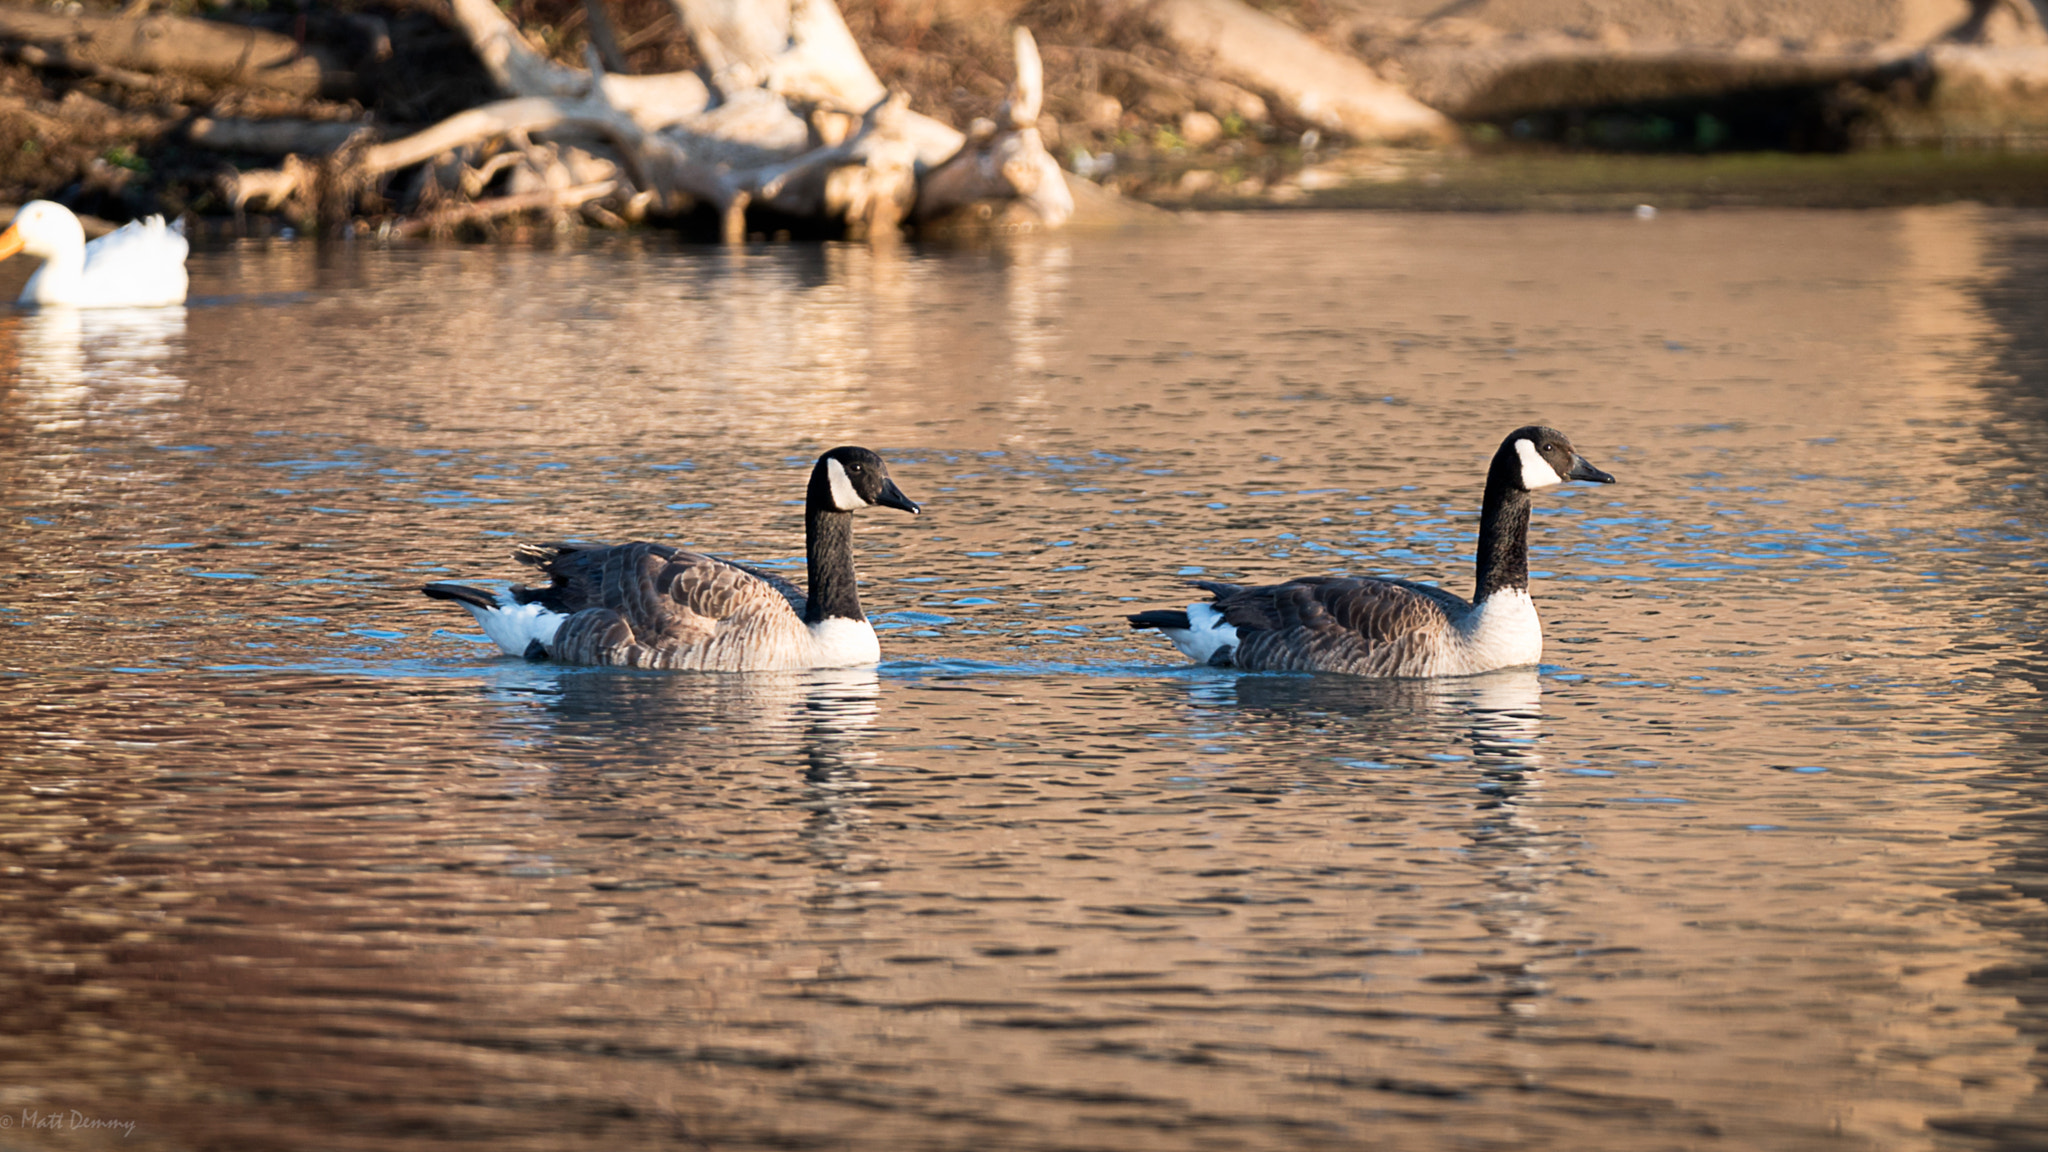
{"x":513,"y":627}
{"x":1206,"y":633}
{"x":1536,"y":471}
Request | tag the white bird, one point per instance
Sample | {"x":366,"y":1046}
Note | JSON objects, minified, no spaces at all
{"x":139,"y":265}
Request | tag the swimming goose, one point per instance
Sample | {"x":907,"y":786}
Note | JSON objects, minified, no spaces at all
{"x":138,"y":265}
{"x":1375,"y":627}
{"x":655,"y":606}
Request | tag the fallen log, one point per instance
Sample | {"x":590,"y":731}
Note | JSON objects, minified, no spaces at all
{"x":781,"y":129}
{"x":652,"y":102}
{"x":868,"y":180}
{"x":800,"y":50}
{"x":1330,"y":89}
{"x":36,"y":56}
{"x":793,"y":48}
{"x":752,"y":148}
{"x":658,"y":166}
{"x":215,"y":53}
{"x":275,"y":137}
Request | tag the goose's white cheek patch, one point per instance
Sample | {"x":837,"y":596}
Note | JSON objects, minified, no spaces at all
{"x":1536,"y":471}
{"x":844,"y":497}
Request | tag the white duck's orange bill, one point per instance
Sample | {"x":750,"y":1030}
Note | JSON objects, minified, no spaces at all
{"x":10,"y":242}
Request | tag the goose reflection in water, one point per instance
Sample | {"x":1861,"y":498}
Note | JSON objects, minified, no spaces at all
{"x":663,"y":712}
{"x":101,"y":365}
{"x":1499,"y":716}
{"x":1520,"y":855}
{"x":1500,"y":712}
{"x":723,"y":727}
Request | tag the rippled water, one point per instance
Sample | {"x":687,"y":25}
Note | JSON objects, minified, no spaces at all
{"x":290,"y":859}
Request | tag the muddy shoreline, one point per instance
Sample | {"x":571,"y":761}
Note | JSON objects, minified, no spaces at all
{"x":1593,"y":182}
{"x":1367,"y":181}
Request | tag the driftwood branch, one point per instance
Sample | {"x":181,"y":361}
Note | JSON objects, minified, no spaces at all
{"x":795,"y":48}
{"x":752,"y":149}
{"x":823,"y":64}
{"x":36,"y":56}
{"x":270,"y":188}
{"x":737,"y":40}
{"x":448,"y":219}
{"x":651,"y":101}
{"x":867,"y":180}
{"x":658,"y":165}
{"x":1027,"y":91}
{"x":800,"y":50}
{"x":525,"y":114}
{"x":794,"y":123}
{"x":1005,"y":171}
{"x":276,"y":137}
{"x":221,"y":54}
{"x":604,"y":39}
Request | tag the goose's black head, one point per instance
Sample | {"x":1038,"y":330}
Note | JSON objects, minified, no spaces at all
{"x":849,"y":478}
{"x":1535,"y":457}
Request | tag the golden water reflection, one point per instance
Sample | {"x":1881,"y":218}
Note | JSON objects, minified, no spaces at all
{"x":290,"y":859}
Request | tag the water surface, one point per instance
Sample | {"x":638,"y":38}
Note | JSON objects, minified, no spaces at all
{"x":289,"y":858}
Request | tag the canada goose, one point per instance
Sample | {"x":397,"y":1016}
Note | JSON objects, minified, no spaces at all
{"x":1375,"y":627}
{"x":138,"y":265}
{"x":655,"y":606}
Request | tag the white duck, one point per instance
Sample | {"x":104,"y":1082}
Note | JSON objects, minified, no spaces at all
{"x":139,"y":265}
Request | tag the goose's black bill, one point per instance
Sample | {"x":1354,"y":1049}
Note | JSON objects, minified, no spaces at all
{"x":1582,"y":469}
{"x":893,"y":497}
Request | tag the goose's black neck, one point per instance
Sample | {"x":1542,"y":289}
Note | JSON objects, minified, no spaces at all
{"x":1503,"y":530}
{"x":834,"y":590}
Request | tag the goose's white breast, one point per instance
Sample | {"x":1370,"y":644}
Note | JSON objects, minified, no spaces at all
{"x":837,"y":642}
{"x":1502,"y":631}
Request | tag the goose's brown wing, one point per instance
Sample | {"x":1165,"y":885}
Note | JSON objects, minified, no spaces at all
{"x":1358,"y":625}
{"x":577,"y":571}
{"x":790,"y":592}
{"x":657,"y":606}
